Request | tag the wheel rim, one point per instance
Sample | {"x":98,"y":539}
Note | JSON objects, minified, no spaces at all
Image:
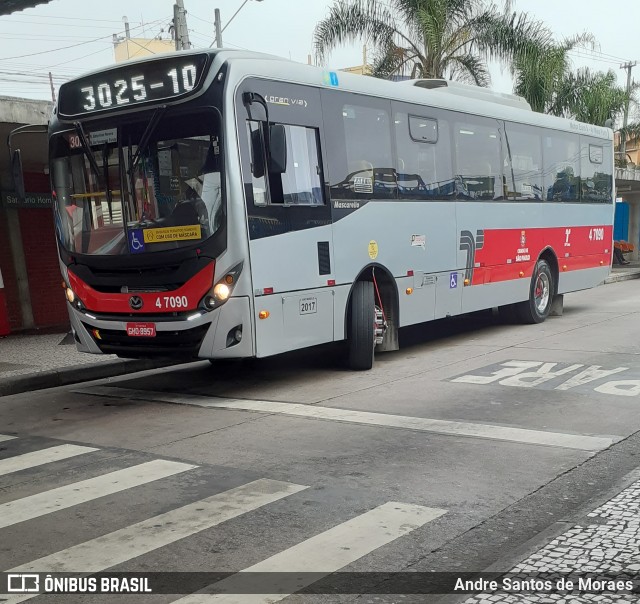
{"x":542,"y":292}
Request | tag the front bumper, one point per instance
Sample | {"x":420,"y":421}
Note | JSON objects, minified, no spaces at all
{"x":204,"y":336}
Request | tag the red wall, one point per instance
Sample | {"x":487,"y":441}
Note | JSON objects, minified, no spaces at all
{"x":9,"y":277}
{"x":41,"y":258}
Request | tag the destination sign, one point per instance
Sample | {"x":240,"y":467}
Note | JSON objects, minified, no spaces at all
{"x":126,"y":86}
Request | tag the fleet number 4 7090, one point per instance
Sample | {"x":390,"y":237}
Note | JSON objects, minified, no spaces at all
{"x":172,"y":302}
{"x":596,"y":234}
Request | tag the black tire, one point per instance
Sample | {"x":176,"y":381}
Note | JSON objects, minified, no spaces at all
{"x":536,"y":309}
{"x":361,"y":337}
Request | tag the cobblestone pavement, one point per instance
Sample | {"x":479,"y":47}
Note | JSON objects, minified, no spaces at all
{"x":28,"y":354}
{"x":611,"y":545}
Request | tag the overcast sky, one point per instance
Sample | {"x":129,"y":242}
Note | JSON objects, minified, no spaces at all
{"x":64,"y":34}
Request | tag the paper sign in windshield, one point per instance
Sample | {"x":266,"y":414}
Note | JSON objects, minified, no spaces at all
{"x":181,"y":233}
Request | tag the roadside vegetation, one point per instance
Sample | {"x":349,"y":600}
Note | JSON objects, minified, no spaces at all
{"x":455,"y":39}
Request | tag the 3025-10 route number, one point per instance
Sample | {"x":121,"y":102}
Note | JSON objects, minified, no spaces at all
{"x":172,"y":302}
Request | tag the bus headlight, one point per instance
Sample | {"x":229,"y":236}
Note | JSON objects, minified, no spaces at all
{"x":71,"y":297}
{"x":222,"y":290}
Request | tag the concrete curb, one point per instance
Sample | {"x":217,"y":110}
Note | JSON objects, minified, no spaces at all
{"x":615,"y":278}
{"x":77,"y":373}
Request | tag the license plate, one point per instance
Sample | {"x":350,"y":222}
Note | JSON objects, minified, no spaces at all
{"x":308,"y":306}
{"x":141,"y":330}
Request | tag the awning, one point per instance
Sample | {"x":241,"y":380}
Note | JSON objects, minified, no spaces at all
{"x":11,"y":6}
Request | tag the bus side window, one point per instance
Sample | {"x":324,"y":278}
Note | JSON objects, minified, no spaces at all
{"x":478,"y":160}
{"x":301,"y":184}
{"x":424,"y":156}
{"x":561,"y":161}
{"x":595,"y":170}
{"x":523,"y":162}
{"x":361,"y":164}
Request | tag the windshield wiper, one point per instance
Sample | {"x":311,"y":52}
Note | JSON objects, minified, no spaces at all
{"x":146,"y":137}
{"x":87,"y":150}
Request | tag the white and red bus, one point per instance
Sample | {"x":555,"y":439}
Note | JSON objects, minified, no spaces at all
{"x":222,"y":203}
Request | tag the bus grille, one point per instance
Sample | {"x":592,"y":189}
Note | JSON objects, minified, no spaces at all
{"x":176,"y":343}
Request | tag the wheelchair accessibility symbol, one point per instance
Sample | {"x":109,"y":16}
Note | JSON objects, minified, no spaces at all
{"x":453,"y":280}
{"x":136,"y":241}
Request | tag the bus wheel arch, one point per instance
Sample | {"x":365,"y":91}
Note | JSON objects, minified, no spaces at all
{"x":384,"y":289}
{"x":542,"y":290}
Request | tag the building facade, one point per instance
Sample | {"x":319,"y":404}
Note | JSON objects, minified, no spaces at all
{"x":32,"y":294}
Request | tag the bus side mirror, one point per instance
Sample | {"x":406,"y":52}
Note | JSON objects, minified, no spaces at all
{"x":277,"y":149}
{"x":257,"y":153}
{"x":18,"y":176}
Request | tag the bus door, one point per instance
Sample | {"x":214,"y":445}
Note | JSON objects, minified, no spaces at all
{"x":289,"y":219}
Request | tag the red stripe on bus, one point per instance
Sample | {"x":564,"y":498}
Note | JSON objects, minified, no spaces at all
{"x":506,"y":253}
{"x":152,"y":303}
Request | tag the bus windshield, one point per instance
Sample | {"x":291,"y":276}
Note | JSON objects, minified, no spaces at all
{"x":138,"y":187}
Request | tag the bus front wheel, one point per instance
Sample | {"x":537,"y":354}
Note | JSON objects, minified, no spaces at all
{"x":536,"y":309}
{"x":361,"y":331}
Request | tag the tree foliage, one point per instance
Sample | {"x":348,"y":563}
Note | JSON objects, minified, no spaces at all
{"x":431,"y":38}
{"x":454,"y":39}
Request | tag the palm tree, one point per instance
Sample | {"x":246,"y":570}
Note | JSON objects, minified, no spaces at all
{"x":545,"y":79}
{"x":432,"y":38}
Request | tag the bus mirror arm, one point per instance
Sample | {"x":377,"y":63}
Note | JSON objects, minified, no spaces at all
{"x":275,"y":137}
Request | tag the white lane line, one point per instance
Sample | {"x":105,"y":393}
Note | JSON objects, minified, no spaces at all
{"x":75,"y":493}
{"x":325,"y":553}
{"x":143,"y":537}
{"x":39,"y":458}
{"x":4,"y":437}
{"x":453,"y":428}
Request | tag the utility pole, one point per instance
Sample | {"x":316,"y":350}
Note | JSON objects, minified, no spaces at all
{"x":218,"y":25}
{"x":628,"y":66}
{"x":180,"y":25}
{"x":53,"y":90}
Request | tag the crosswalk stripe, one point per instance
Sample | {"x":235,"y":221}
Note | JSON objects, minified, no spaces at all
{"x":453,"y":428}
{"x":325,"y":553}
{"x":143,"y":537}
{"x":75,"y":493}
{"x":4,"y":437}
{"x":39,"y":458}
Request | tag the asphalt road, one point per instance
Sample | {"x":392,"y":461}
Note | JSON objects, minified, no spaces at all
{"x":468,"y":449}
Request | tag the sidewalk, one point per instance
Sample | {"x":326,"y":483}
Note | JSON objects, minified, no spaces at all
{"x":622,"y":273}
{"x":34,"y":362}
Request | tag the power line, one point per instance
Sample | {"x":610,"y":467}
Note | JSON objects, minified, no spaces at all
{"x":47,"y":24}
{"x":78,"y":18}
{"x":109,"y":37}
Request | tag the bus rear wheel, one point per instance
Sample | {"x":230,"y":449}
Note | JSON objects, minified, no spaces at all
{"x":536,"y":309}
{"x":362,"y":325}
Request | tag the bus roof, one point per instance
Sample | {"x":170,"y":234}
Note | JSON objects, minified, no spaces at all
{"x":441,"y":94}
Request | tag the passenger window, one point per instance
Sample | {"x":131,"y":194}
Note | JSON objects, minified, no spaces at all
{"x":360,"y":154}
{"x":561,"y":155}
{"x":424,"y":157}
{"x":478,"y":161}
{"x":523,"y":163}
{"x":595,"y":171}
{"x":301,"y":183}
